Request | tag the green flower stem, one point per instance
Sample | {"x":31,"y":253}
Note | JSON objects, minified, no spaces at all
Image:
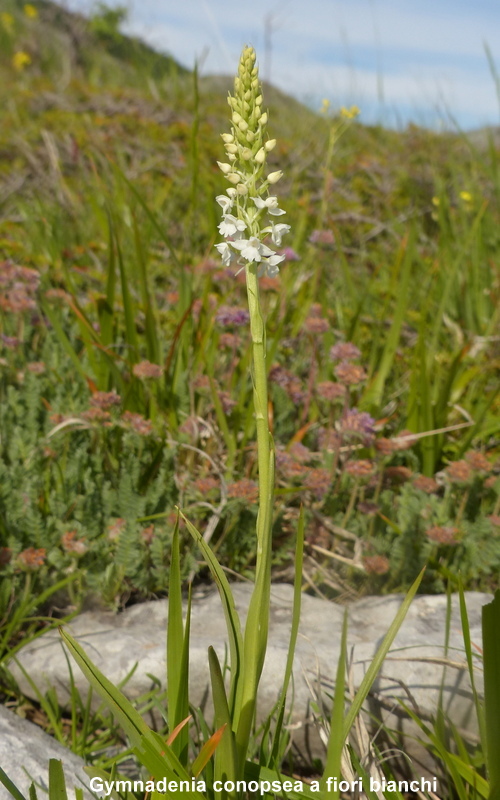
{"x":256,"y":629}
{"x":258,"y":333}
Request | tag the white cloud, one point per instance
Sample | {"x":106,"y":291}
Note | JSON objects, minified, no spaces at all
{"x":425,"y":52}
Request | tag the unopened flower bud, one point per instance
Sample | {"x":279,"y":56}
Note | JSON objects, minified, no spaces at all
{"x":250,"y":136}
{"x":233,"y":177}
{"x":242,"y":125}
{"x":258,"y":100}
{"x":246,"y":154}
{"x":260,"y":156}
{"x":236,"y":117}
{"x":263,"y":119}
{"x":227,"y":138}
{"x":242,"y":189}
{"x":225,"y":168}
{"x":270,"y":145}
{"x":274,"y":177}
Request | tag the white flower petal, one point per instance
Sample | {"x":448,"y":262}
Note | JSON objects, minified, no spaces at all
{"x":230,"y":225}
{"x":249,"y":248}
{"x":269,"y":266}
{"x":226,"y":254}
{"x":225,"y":202}
{"x":278,"y":231}
{"x":276,"y":212}
{"x":266,"y":251}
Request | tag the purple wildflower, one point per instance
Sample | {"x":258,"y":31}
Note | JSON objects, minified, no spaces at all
{"x":232,"y":315}
{"x":344,"y":351}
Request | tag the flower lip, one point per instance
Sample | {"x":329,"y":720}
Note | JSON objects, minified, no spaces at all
{"x":226,"y":253}
{"x":277,"y":232}
{"x":252,"y":249}
{"x":231,"y":226}
{"x":270,"y":203}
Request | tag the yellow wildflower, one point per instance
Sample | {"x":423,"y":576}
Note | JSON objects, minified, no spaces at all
{"x":30,"y":11}
{"x":466,"y":197}
{"x":435,"y":201}
{"x":7,"y":21}
{"x":349,"y":113}
{"x":325,"y":105}
{"x":21,"y":60}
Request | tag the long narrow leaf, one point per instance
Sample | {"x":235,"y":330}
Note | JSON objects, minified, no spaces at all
{"x":257,"y":622}
{"x":57,"y":784}
{"x":128,"y":307}
{"x":130,"y":720}
{"x":177,"y":670}
{"x":152,"y":335}
{"x":379,"y":657}
{"x":373,"y":395}
{"x":491,"y":661}
{"x":225,"y":756}
{"x":10,"y":786}
{"x":297,"y":602}
{"x":207,"y":751}
{"x":231,"y":615}
{"x":162,"y":763}
{"x":470,"y":664}
{"x":336,"y":739}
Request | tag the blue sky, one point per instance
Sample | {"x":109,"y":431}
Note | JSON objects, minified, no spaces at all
{"x":398,"y":60}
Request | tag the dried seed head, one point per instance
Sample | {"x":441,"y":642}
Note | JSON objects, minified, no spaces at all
{"x":443,"y":535}
{"x":478,"y":461}
{"x":425,"y":484}
{"x":459,"y":471}
{"x":361,"y":468}
{"x":376,"y":565}
{"x":350,"y":374}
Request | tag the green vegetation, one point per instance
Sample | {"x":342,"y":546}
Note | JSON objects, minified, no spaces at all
{"x":125,"y":385}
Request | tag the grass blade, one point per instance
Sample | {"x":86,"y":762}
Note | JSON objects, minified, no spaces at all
{"x":10,"y":786}
{"x":379,"y":657}
{"x":336,"y":739}
{"x":177,"y":668}
{"x":225,"y":756}
{"x":373,"y":395}
{"x":130,"y":720}
{"x":468,"y":652}
{"x":491,"y":661}
{"x":232,"y":619}
{"x":57,"y":784}
{"x":297,"y":602}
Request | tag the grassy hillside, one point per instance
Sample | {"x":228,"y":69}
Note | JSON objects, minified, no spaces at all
{"x":124,"y":378}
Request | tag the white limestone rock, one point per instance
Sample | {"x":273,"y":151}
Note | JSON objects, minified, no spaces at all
{"x":25,"y":751}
